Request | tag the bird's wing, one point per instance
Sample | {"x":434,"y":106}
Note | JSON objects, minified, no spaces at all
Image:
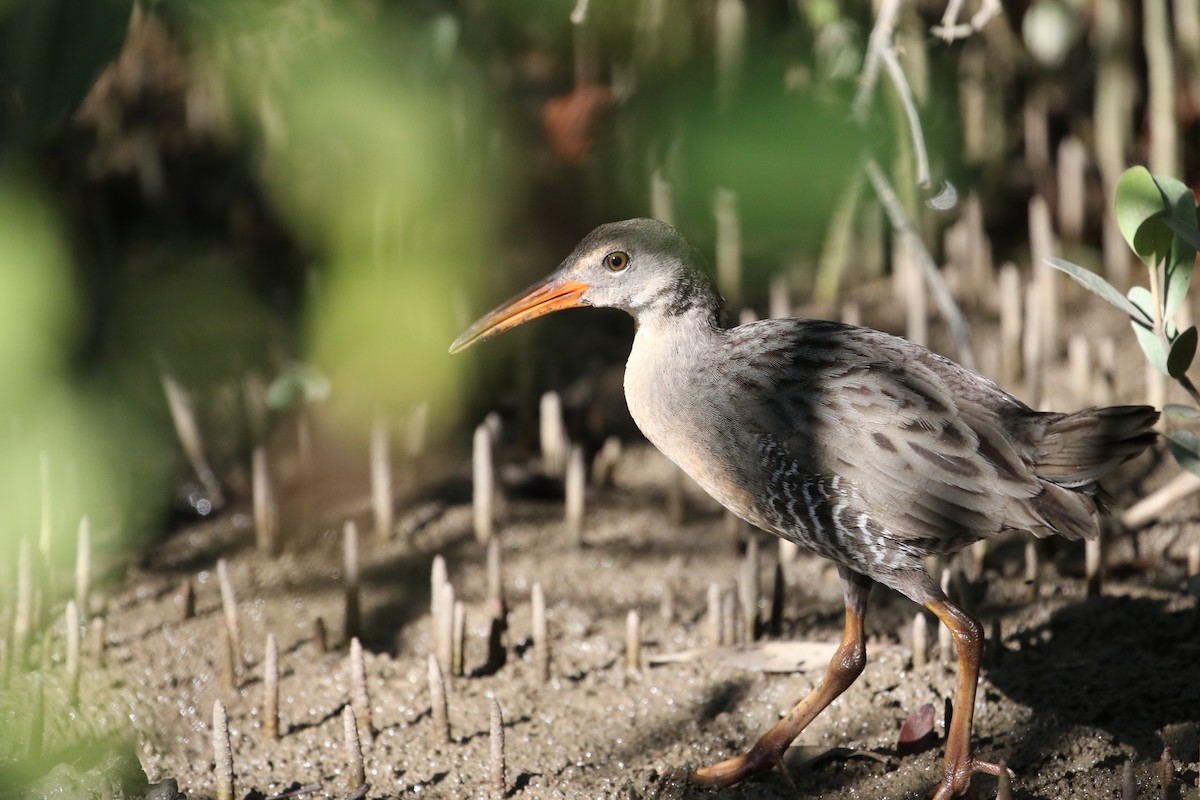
{"x":919,"y":441}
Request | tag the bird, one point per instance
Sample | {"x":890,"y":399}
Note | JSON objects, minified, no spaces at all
{"x":863,"y":447}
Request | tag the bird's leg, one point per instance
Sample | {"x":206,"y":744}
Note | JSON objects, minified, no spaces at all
{"x":846,"y":665}
{"x":968,"y":639}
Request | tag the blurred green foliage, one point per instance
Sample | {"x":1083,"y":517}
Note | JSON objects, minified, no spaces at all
{"x":63,"y":436}
{"x":370,"y":138}
{"x":380,"y":148}
{"x":48,"y":415}
{"x":39,"y":304}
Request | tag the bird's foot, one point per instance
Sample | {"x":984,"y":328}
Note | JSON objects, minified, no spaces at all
{"x":957,"y":778}
{"x":759,"y":760}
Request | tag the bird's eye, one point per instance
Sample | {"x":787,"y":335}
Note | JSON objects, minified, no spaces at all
{"x":616,"y":260}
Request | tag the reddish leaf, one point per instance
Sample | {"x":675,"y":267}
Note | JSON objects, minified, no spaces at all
{"x":570,"y":122}
{"x":917,"y":734}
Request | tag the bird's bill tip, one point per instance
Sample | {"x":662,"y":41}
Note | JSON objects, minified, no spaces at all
{"x":552,"y":294}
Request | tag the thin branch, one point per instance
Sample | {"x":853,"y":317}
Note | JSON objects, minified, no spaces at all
{"x":949,"y":19}
{"x":903,"y":226}
{"x":881,"y":49}
{"x":896,"y":73}
{"x":880,"y":41}
{"x":952,"y":29}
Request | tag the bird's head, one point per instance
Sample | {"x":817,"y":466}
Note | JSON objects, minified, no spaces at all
{"x":642,"y":266}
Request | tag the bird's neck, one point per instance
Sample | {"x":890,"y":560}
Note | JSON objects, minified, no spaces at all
{"x":667,"y":352}
{"x":675,"y":327}
{"x":677,"y":321}
{"x":677,"y":337}
{"x":692,"y":303}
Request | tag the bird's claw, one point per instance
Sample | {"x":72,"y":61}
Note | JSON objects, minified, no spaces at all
{"x":957,"y":778}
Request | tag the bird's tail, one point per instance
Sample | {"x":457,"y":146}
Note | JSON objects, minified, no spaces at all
{"x":1075,"y":450}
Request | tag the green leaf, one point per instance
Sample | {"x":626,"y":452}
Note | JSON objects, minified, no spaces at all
{"x":1181,"y":204}
{"x":1143,"y":301}
{"x":1153,"y":347}
{"x":1152,"y":344}
{"x":1178,"y":198}
{"x":1183,"y":350}
{"x":1094,"y":283}
{"x":1178,"y":277}
{"x":1189,"y":233}
{"x":1140,"y":206}
{"x":1181,"y":412}
{"x":1179,"y":267}
{"x":1185,"y":446}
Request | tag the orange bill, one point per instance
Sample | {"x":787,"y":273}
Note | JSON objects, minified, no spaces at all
{"x":552,"y":294}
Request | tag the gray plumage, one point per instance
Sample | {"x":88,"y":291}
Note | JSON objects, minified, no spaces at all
{"x":867,"y":448}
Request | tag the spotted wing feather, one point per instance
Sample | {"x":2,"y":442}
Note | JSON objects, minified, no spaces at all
{"x":937,"y":456}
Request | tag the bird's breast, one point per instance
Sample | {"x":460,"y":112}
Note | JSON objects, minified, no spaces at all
{"x":676,"y":394}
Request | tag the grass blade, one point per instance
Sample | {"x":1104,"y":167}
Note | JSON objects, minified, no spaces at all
{"x":1102,"y":288}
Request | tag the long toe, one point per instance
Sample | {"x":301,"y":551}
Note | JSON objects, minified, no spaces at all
{"x":735,"y":770}
{"x":957,"y":779}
